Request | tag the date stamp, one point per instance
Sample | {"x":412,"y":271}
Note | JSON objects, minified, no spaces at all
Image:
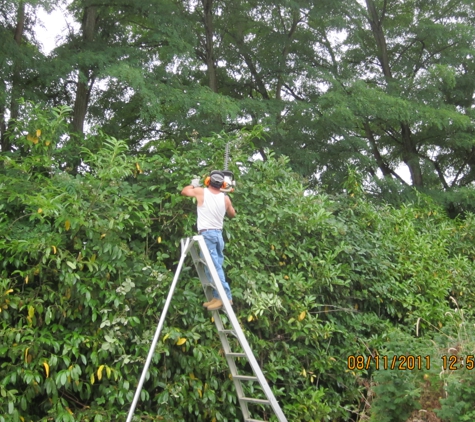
{"x":396,"y":362}
{"x":409,"y":362}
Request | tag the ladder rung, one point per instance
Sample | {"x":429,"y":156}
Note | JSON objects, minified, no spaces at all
{"x":253,"y":420}
{"x":245,"y":377}
{"x":236,"y":355}
{"x":257,"y":401}
{"x":228,"y":331}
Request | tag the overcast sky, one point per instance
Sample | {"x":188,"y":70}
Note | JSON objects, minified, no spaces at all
{"x":52,"y":25}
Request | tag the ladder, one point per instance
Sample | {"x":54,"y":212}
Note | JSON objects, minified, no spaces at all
{"x":195,"y":245}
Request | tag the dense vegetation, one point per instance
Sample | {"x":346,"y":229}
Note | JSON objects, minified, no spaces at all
{"x":87,"y":260}
{"x":386,"y":86}
{"x":335,"y":258}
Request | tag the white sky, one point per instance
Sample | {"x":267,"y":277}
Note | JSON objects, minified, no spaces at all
{"x":52,"y":26}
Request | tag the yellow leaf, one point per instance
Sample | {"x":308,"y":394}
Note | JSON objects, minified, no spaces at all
{"x":200,"y":393}
{"x":212,"y":319}
{"x":286,"y":277}
{"x":108,"y":372}
{"x":92,"y":379}
{"x":250,"y":318}
{"x":67,"y":225}
{"x":304,"y":372}
{"x":192,"y":376}
{"x":46,"y":369}
{"x":166,"y":336}
{"x":69,"y":411}
{"x":103,"y":235}
{"x":40,"y":210}
{"x":181,"y":340}
{"x":159,"y":239}
{"x":54,"y":249}
{"x":31,"y":312}
{"x":8,"y":292}
{"x":272,"y":247}
{"x":302,"y":315}
{"x":230,"y":376}
{"x":47,"y":143}
{"x":26,"y":354}
{"x":38,"y":132}
{"x":99,"y":372}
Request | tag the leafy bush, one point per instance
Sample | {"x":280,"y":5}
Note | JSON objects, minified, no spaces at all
{"x":86,"y":262}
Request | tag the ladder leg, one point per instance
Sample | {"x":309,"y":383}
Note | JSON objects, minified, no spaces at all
{"x":237,"y":331}
{"x":185,"y":248}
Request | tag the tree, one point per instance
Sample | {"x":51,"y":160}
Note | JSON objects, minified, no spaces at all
{"x":21,"y":65}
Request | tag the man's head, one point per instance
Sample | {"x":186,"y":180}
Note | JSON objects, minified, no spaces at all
{"x":216,"y":179}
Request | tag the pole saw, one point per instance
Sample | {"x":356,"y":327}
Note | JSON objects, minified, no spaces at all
{"x":228,"y":174}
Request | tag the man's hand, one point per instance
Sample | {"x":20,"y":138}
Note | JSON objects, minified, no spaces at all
{"x":196,"y":183}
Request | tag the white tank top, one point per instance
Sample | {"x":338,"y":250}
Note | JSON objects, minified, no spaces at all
{"x":211,"y":213}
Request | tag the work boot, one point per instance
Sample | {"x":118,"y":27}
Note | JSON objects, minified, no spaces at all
{"x":206,"y":304}
{"x":216,"y":305}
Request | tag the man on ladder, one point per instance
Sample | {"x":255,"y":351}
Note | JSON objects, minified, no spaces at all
{"x":212,"y":206}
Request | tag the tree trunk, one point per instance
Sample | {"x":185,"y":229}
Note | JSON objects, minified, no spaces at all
{"x":85,"y":79}
{"x":285,"y":53}
{"x":376,"y":23}
{"x":3,"y":128}
{"x":209,"y":32}
{"x":409,"y":154}
{"x":16,"y":82}
{"x":376,"y":154}
{"x":411,"y":157}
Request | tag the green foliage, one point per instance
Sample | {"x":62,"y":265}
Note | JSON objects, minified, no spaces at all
{"x":442,"y":381}
{"x":86,"y":261}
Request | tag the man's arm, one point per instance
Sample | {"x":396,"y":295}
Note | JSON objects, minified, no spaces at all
{"x":189,"y":191}
{"x":230,"y":211}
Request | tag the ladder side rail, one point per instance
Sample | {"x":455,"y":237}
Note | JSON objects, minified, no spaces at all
{"x":185,"y":248}
{"x":220,"y":327}
{"x":239,"y":333}
{"x":200,"y":270}
{"x":231,"y":364}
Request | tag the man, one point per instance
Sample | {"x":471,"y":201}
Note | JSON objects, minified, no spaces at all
{"x":212,"y":206}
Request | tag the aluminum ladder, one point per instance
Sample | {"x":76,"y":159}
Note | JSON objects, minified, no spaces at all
{"x":195,"y":245}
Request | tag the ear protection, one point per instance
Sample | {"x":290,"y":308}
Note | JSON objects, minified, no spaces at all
{"x":224,"y":185}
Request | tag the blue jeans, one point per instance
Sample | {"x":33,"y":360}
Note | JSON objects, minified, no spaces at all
{"x":215,"y":243}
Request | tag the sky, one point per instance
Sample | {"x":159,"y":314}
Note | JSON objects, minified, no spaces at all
{"x":52,"y":25}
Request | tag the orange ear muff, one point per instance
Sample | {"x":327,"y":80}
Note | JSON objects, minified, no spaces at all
{"x":224,"y":185}
{"x":207,"y":181}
